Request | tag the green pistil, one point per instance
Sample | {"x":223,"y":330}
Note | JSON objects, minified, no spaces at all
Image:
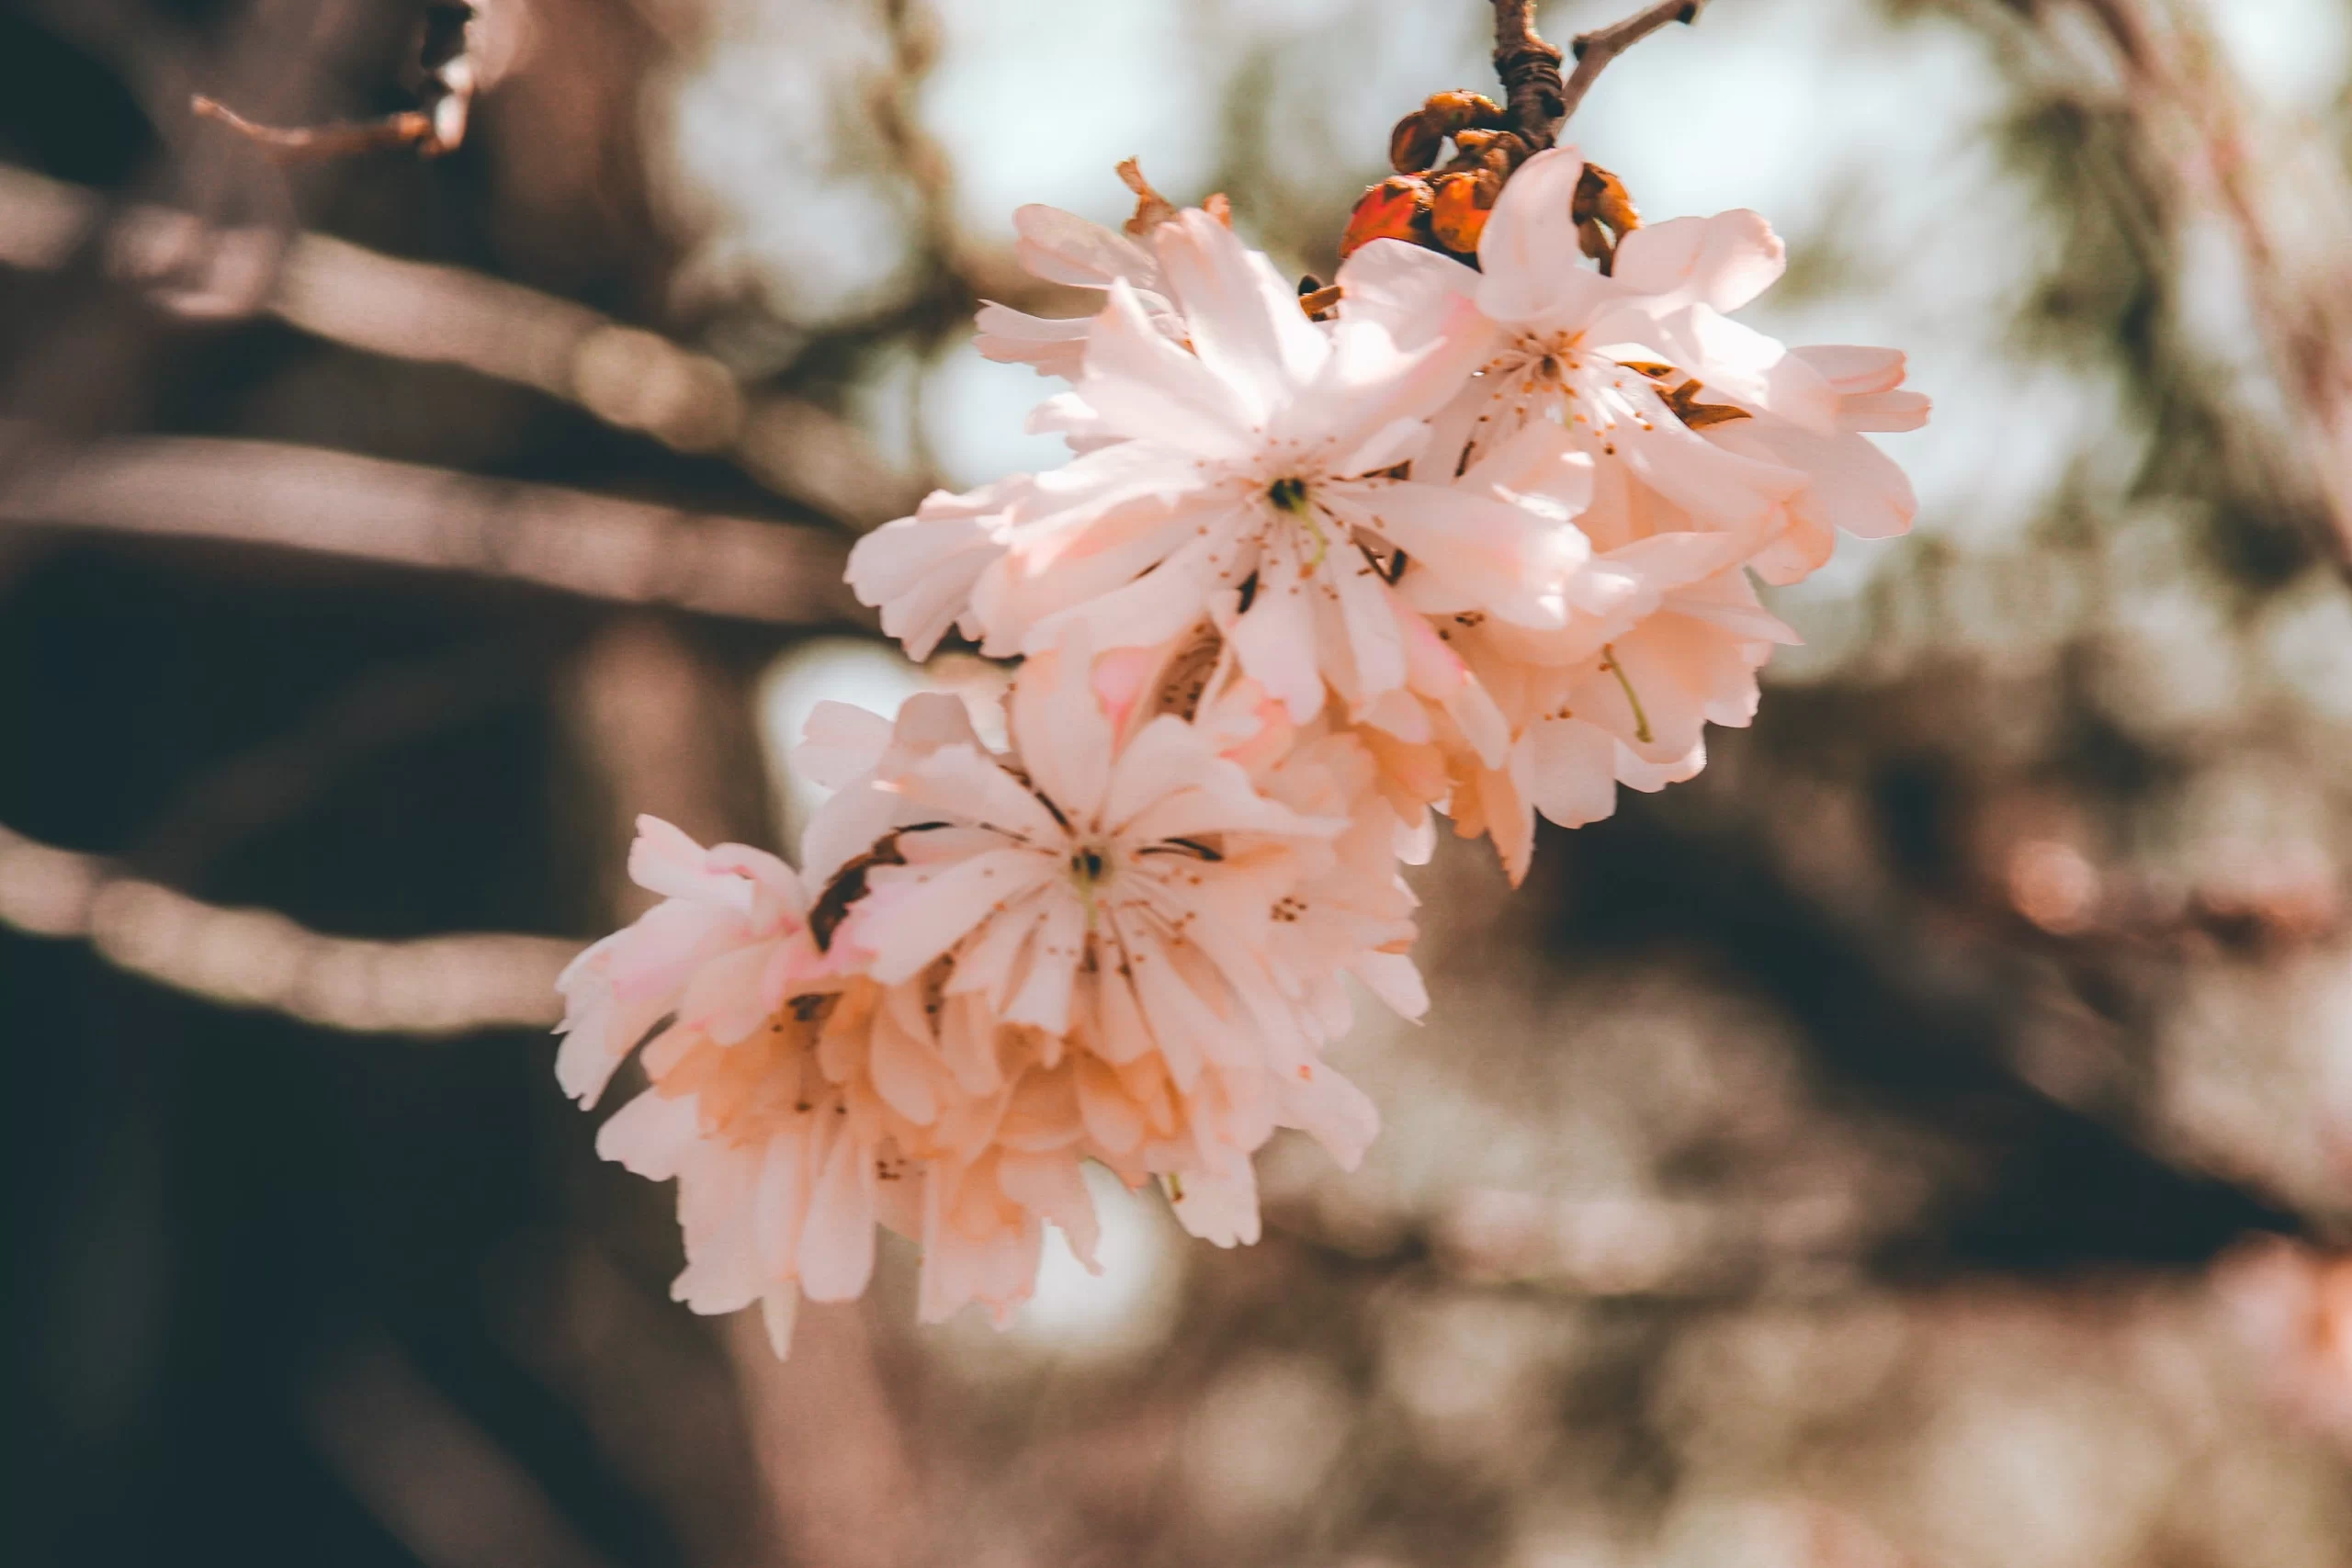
{"x":1091,"y":870}
{"x":1640,"y":719}
{"x":1290,"y":496}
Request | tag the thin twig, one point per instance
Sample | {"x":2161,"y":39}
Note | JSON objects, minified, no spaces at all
{"x":1595,"y":49}
{"x":257,"y":958}
{"x":338,"y":503}
{"x":448,"y":76}
{"x":625,"y":375}
{"x":303,"y":143}
{"x":2191,"y":119}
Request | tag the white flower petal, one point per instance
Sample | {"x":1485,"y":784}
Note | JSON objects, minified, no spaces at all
{"x":837,"y":1239}
{"x":1244,"y":322}
{"x":922,"y":921}
{"x":1062,"y":247}
{"x":1143,"y":385}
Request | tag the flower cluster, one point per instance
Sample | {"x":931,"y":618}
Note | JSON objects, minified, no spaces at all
{"x":1480,"y":541}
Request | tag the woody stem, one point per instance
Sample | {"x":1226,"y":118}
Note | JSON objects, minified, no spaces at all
{"x":1529,"y":69}
{"x":1538,"y":101}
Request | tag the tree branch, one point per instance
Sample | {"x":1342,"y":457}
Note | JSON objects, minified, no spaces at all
{"x":1533,"y":100}
{"x":289,"y":144}
{"x":257,"y":958}
{"x":337,"y":503}
{"x":2198,"y":129}
{"x":1515,"y":38}
{"x":625,"y":375}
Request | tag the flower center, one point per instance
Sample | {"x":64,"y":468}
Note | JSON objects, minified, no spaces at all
{"x":1091,"y":865}
{"x":1090,"y":868}
{"x":1289,"y":496}
{"x":1550,"y":361}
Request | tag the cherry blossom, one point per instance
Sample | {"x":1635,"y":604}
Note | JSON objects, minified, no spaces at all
{"x":1248,"y":477}
{"x":1484,"y":545}
{"x":1121,"y":900}
{"x":799,"y":1106}
{"x":919,"y":571}
{"x":1062,"y":247}
{"x":1713,"y":450}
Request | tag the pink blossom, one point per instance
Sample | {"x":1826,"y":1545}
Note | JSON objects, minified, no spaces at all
{"x":1120,"y":902}
{"x":1711,"y":450}
{"x":1247,"y":478}
{"x":797,"y":1105}
{"x":1062,"y":247}
{"x":1481,"y":545}
{"x":919,"y":571}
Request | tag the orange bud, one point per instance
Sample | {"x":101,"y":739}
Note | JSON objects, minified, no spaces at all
{"x":1458,"y":208}
{"x":1601,"y":195}
{"x":1413,"y":145}
{"x":1478,"y":147}
{"x":1396,"y":209}
{"x":1460,"y":111}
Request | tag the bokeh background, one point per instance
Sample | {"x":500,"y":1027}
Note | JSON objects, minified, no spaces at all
{"x":1925,"y":1139}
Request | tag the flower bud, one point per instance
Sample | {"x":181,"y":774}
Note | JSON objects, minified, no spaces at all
{"x":1413,"y":145}
{"x":1459,"y":206}
{"x":1396,"y":209}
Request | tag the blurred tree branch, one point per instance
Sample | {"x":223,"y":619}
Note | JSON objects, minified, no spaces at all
{"x":338,"y":503}
{"x":626,"y":377}
{"x":2201,"y":149}
{"x":256,"y":958}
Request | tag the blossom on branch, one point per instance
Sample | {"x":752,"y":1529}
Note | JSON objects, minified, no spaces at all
{"x":1483,"y":541}
{"x":1118,"y":904}
{"x":1248,"y":479}
{"x":1714,"y":451}
{"x":797,"y":1106}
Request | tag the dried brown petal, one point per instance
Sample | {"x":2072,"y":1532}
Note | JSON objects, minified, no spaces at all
{"x":1684,"y":401}
{"x":1594,"y":241}
{"x":1601,"y":195}
{"x":1152,"y":208}
{"x":1413,"y":145}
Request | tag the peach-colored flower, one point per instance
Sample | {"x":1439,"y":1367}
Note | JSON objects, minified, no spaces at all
{"x":1713,"y":450}
{"x":919,"y":571}
{"x":1726,"y":427}
{"x":1245,"y":470}
{"x":1123,"y":902}
{"x":798,"y":1105}
{"x":1062,"y":247}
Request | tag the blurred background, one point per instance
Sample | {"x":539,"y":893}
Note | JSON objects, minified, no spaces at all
{"x":1925,"y":1139}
